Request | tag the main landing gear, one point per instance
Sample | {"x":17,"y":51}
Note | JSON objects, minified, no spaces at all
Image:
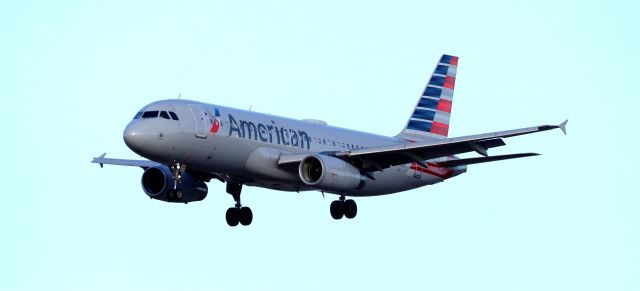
{"x":237,"y":214}
{"x":346,"y":208}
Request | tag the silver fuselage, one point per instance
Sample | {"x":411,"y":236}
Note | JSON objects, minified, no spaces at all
{"x":244,"y":147}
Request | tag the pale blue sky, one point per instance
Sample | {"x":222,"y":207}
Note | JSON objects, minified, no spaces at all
{"x":73,"y":73}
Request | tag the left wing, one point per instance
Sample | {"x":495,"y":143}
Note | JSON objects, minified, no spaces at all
{"x":121,"y":162}
{"x":379,"y":158}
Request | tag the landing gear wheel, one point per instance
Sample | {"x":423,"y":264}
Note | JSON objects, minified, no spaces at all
{"x":237,"y":214}
{"x":232,"y":216}
{"x":350,"y":209}
{"x":172,"y":195}
{"x":336,"y":209}
{"x":246,"y":216}
{"x":178,"y":194}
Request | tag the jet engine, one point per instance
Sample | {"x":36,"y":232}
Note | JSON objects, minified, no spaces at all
{"x":157,"y":183}
{"x":330,"y":173}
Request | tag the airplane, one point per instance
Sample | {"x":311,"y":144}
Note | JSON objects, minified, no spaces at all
{"x":189,"y":143}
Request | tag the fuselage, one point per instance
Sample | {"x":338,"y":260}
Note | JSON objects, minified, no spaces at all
{"x":244,"y":146}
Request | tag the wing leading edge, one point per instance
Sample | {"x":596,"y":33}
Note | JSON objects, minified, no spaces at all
{"x":122,"y":162}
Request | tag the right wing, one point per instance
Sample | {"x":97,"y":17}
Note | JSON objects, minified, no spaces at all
{"x":379,"y":158}
{"x":121,"y":162}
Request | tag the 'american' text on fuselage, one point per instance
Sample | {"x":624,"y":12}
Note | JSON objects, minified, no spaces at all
{"x":268,"y":133}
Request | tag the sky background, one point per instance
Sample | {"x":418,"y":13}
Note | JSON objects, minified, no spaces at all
{"x":73,"y":73}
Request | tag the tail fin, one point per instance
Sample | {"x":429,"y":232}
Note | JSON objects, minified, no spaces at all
{"x":430,"y":117}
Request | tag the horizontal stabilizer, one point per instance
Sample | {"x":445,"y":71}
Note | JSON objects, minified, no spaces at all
{"x":461,"y":162}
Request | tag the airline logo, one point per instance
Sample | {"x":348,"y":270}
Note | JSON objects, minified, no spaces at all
{"x":433,"y":111}
{"x":216,"y":121}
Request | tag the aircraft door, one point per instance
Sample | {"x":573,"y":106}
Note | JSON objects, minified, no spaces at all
{"x":201,"y":119}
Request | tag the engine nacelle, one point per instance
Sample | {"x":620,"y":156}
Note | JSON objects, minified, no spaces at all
{"x":330,"y":173}
{"x":158,"y":181}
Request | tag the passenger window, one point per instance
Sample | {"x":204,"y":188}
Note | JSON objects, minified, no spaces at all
{"x":138,"y":115}
{"x":173,"y":115}
{"x":164,"y":115}
{"x":150,"y":114}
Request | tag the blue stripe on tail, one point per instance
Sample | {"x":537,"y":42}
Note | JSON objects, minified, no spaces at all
{"x":431,"y":116}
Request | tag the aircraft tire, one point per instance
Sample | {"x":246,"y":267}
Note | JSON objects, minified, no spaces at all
{"x":178,"y":194}
{"x":171,"y":195}
{"x":245,"y":215}
{"x":232,"y":216}
{"x":336,"y":209}
{"x":350,"y":209}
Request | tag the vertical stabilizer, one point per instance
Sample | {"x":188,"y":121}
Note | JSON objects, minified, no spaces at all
{"x":431,"y":115}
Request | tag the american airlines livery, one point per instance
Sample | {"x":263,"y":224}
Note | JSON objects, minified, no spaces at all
{"x":188,"y":143}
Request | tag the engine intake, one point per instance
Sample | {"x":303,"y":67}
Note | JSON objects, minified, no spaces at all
{"x":330,"y":173}
{"x":158,"y":181}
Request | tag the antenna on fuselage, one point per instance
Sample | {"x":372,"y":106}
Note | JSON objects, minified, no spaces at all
{"x":179,"y":95}
{"x":250,"y":106}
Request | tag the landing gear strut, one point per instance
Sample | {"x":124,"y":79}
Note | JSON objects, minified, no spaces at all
{"x":342,"y":207}
{"x":237,"y":214}
{"x":177,"y":169}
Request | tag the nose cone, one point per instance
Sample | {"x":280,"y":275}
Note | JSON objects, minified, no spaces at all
{"x":135,"y":137}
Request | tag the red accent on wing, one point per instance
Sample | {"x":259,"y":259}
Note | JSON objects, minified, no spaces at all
{"x":440,"y":128}
{"x":444,"y":105}
{"x":433,"y":169}
{"x":454,"y":61}
{"x":216,"y":126}
{"x":449,"y":82}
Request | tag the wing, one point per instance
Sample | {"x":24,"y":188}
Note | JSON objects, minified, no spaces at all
{"x":379,"y":158}
{"x":121,"y":162}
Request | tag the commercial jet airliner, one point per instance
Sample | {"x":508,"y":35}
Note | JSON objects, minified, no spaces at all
{"x":188,"y":143}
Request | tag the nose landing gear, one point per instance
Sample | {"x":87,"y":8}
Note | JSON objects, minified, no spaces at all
{"x":237,"y":214}
{"x":175,"y":194}
{"x":177,"y":169}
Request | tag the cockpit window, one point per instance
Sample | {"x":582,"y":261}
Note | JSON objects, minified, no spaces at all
{"x":150,"y":114}
{"x":164,"y":115}
{"x":156,"y":113}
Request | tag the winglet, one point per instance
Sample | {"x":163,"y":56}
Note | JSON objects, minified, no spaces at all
{"x":563,"y":126}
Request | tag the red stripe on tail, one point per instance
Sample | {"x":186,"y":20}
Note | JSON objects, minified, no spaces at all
{"x":449,"y":82}
{"x":440,"y":128}
{"x":444,"y":105}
